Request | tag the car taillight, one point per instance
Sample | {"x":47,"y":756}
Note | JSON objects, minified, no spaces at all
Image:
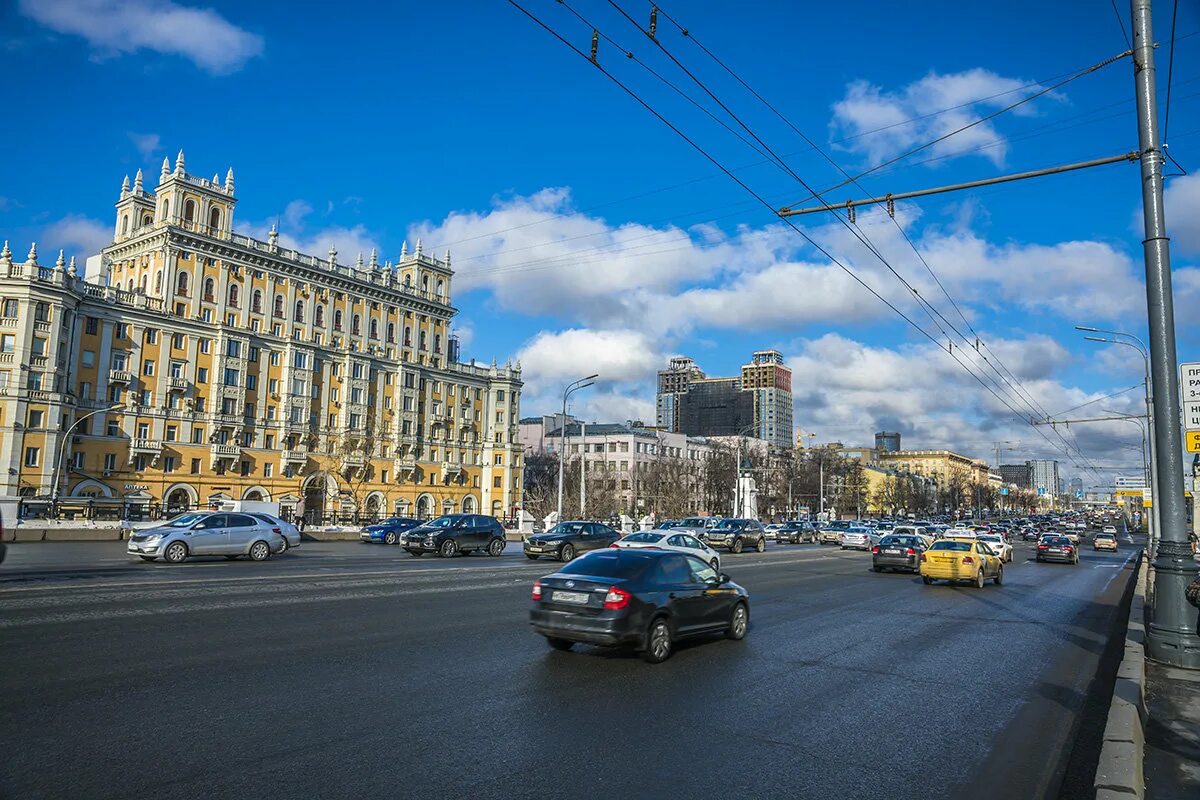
{"x":875,"y":549}
{"x":537,"y":590}
{"x":968,"y":560}
{"x":923,"y":557}
{"x":277,"y":530}
{"x":1043,"y":547}
{"x":616,"y":599}
{"x":1068,"y":548}
{"x":912,"y":552}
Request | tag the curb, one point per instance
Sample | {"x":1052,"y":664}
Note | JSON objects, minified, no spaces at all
{"x":1119,"y":771}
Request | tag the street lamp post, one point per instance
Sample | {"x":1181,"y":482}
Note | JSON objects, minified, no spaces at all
{"x":572,"y":387}
{"x":63,"y":446}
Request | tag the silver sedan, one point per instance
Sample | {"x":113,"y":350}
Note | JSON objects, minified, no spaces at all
{"x":207,"y":533}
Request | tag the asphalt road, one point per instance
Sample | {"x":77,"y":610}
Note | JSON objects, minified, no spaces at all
{"x":346,"y":670}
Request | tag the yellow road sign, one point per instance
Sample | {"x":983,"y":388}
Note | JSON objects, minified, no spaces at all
{"x":1191,"y":440}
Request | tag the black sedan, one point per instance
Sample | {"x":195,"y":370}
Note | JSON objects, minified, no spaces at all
{"x":898,"y":552}
{"x":796,"y":532}
{"x":1052,"y":547}
{"x":452,"y":534}
{"x":644,"y":598}
{"x":568,"y":539}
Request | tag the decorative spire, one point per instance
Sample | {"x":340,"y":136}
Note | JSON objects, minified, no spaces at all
{"x":179,"y":163}
{"x":6,"y":255}
{"x":229,"y":181}
{"x":166,"y":169}
{"x":359,"y":263}
{"x":216,"y":179}
{"x":374,"y":259}
{"x":61,"y":263}
{"x":138,"y":181}
{"x":404,"y":249}
{"x":32,"y":257}
{"x":72,"y":270}
{"x":125,"y":186}
{"x":418,"y":251}
{"x":332,"y":256}
{"x":447,"y":256}
{"x":273,"y":237}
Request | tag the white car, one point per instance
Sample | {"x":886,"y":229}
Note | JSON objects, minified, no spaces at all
{"x":859,"y":538}
{"x":772,"y":531}
{"x":998,"y":546}
{"x":1110,"y":529}
{"x":676,"y":540}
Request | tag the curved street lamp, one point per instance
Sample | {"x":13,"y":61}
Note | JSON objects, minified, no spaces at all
{"x":63,"y":446}
{"x":572,"y":387}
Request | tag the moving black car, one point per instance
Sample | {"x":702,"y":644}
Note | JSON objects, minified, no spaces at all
{"x":898,"y":551}
{"x":568,"y":539}
{"x":1057,"y":548}
{"x":736,"y":535}
{"x":452,"y":534}
{"x":796,"y":531}
{"x":644,"y":598}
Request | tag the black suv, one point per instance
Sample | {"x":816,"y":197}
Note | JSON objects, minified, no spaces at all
{"x":568,"y":539}
{"x":736,"y":535}
{"x":452,"y":534}
{"x":796,"y":532}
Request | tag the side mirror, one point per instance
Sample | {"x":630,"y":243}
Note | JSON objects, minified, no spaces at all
{"x":723,"y":578}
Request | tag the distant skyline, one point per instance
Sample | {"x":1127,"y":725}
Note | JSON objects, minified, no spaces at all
{"x":587,"y":237}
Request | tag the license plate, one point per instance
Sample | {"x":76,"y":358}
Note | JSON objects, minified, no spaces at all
{"x":892,"y":552}
{"x":1055,"y":549}
{"x":578,"y":598}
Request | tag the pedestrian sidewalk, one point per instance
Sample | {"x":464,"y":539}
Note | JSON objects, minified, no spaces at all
{"x":1172,"y":755}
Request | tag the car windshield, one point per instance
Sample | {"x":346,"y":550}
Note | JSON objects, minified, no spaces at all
{"x":608,"y":564}
{"x":443,"y":522}
{"x":645,"y":536}
{"x":1105,"y":536}
{"x":1055,"y":540}
{"x":903,"y":541}
{"x":566,"y":528}
{"x":958,"y":547}
{"x":729,"y":524}
{"x":184,"y":520}
{"x":991,"y":539}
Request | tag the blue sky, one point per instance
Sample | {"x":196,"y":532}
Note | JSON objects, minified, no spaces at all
{"x":586,"y":234}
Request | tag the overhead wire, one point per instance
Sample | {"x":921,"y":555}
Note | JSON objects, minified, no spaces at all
{"x":817,"y":246}
{"x":1121,"y":23}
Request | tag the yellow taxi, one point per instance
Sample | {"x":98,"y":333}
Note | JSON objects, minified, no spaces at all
{"x":961,"y":559}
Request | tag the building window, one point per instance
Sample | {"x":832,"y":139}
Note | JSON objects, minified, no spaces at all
{"x":197,"y":435}
{"x":189,"y":210}
{"x":214,"y":220}
{"x":36,"y":417}
{"x":195,"y":466}
{"x":209,"y":286}
{"x":169,"y":464}
{"x":148,"y":367}
{"x":421,"y":340}
{"x":320,"y":317}
{"x":356,"y":325}
{"x":234,"y":295}
{"x":298,"y":316}
{"x":268,"y":469}
{"x":232,"y":377}
{"x":181,"y":284}
{"x":374,"y":328}
{"x":497,"y":482}
{"x":90,"y":325}
{"x":278,"y":311}
{"x":337,"y":319}
{"x":206,"y":346}
{"x":110,"y":462}
{"x":77,"y":460}
{"x":172,"y":432}
{"x":201,"y":374}
{"x":7,"y":343}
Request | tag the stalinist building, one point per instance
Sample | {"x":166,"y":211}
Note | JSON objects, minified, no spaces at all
{"x":192,"y":364}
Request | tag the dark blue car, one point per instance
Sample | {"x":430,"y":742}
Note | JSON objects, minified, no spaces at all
{"x":388,"y":531}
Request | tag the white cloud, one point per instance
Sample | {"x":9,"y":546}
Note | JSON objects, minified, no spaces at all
{"x":76,"y":235}
{"x":114,"y":27}
{"x":876,"y":122}
{"x":1182,"y":199}
{"x":294,"y":233}
{"x":148,"y":144}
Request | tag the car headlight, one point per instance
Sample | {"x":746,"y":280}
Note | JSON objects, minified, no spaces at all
{"x":153,"y":538}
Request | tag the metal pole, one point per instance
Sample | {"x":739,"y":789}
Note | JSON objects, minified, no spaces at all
{"x":821,"y":473}
{"x":63,"y":446}
{"x":1172,"y":637}
{"x":562,"y":454}
{"x":583,"y":471}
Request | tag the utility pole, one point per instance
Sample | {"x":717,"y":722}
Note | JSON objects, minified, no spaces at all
{"x":583,"y":471}
{"x":1172,"y":637}
{"x":572,"y":387}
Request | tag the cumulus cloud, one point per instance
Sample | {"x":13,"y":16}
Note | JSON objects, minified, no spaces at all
{"x":114,"y":27}
{"x":77,"y":235}
{"x":1182,"y":199}
{"x":881,"y":123}
{"x":296,"y":233}
{"x":147,"y":143}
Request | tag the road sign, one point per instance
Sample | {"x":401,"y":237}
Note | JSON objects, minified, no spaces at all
{"x":1191,"y":440}
{"x":1189,"y":381}
{"x":1147,"y":499}
{"x":1003,"y":490}
{"x":1041,"y":490}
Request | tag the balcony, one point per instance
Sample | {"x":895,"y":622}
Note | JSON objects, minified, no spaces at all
{"x":404,"y":466}
{"x":177,"y":384}
{"x":354,"y":461}
{"x":293,"y":458}
{"x":145,"y":447}
{"x":119,"y":376}
{"x":451,"y":472}
{"x":218,"y":452}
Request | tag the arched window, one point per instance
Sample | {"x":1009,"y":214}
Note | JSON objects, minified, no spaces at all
{"x":124,"y":224}
{"x":374,"y":328}
{"x":166,"y":207}
{"x":146,"y":220}
{"x":356,"y":325}
{"x":256,"y":301}
{"x":421,"y":340}
{"x":158,"y":282}
{"x":234,"y":293}
{"x":144,"y":283}
{"x":208,"y":288}
{"x":181,"y":284}
{"x":279,"y":306}
{"x":425,"y":283}
{"x":407,"y":336}
{"x":437,"y":343}
{"x":441,"y":287}
{"x":391,"y":333}
{"x":298,"y":314}
{"x":129,"y":287}
{"x":320,"y":319}
{"x":214,"y":219}
{"x":337,"y":319}
{"x":189,"y":211}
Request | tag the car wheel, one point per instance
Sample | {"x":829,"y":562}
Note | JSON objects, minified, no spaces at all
{"x":560,"y":644}
{"x":496,"y":547}
{"x":146,"y":558}
{"x":175,"y":553}
{"x":925,"y":579}
{"x":566,"y":553}
{"x":738,"y":623}
{"x":999,"y":579}
{"x":260,"y":551}
{"x":390,"y":537}
{"x":714,"y":564}
{"x":448,"y":549}
{"x":761,"y":545}
{"x":736,"y":547}
{"x":658,"y":641}
{"x":531,"y":557}
{"x":285,"y":547}
{"x":979,"y":579}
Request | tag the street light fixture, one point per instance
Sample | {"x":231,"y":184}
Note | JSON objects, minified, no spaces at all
{"x":63,"y":446}
{"x":572,"y":387}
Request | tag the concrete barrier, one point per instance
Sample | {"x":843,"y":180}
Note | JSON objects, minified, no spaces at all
{"x":1119,"y":771}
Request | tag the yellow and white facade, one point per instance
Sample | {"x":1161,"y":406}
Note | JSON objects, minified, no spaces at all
{"x":193,"y":364}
